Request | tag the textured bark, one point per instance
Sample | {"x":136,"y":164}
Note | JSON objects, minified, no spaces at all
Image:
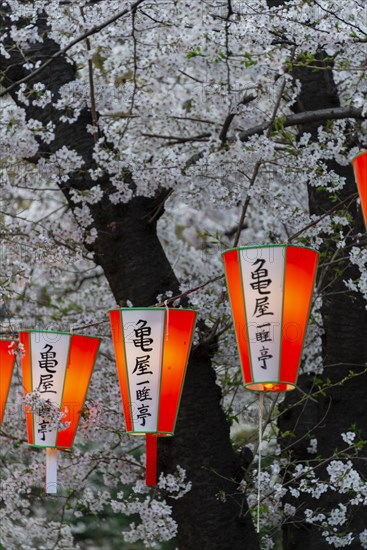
{"x":344,"y":347}
{"x":137,"y":269}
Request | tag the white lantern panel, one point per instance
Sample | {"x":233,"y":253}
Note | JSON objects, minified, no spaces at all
{"x":143,"y":337}
{"x":50,"y":352}
{"x":262,"y":279}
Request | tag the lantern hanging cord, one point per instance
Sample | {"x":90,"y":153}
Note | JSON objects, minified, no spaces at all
{"x":89,"y":326}
{"x":190,"y":291}
{"x":73,"y":329}
{"x":167,"y":319}
{"x":261,"y":407}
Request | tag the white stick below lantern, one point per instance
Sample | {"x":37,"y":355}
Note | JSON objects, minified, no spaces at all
{"x":261,"y":408}
{"x":51,"y":471}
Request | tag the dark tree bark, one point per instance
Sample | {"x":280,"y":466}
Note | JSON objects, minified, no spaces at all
{"x":344,"y":344}
{"x":137,"y":269}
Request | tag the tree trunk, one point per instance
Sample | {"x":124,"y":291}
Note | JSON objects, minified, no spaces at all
{"x":344,"y":348}
{"x":136,"y":267}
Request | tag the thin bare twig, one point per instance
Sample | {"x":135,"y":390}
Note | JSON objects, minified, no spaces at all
{"x":179,"y":139}
{"x":349,"y":199}
{"x":93,"y":109}
{"x":258,"y":163}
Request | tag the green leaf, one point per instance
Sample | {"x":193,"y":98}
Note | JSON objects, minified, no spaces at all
{"x":248,"y":60}
{"x":194,"y":53}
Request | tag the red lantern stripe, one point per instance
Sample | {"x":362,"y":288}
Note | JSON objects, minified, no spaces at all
{"x":119,"y":347}
{"x":24,"y":338}
{"x":6,"y":370}
{"x":178,"y":330}
{"x":82,"y":356}
{"x":151,"y":459}
{"x":232,"y":263}
{"x":360,"y":172}
{"x":300,"y":271}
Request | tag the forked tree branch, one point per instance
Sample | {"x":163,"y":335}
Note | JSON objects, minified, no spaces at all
{"x":307,"y":117}
{"x":80,"y":38}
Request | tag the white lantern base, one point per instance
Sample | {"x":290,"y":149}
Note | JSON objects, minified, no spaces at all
{"x":51,"y":471}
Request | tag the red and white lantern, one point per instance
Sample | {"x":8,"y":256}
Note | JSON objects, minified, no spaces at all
{"x":152,"y":347}
{"x":360,"y":172}
{"x":270,"y":290}
{"x":58,"y":366}
{"x":6,"y":370}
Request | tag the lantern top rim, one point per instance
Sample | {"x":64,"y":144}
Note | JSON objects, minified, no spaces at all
{"x":152,"y":308}
{"x":58,"y":332}
{"x":278,"y":245}
{"x":364,"y":152}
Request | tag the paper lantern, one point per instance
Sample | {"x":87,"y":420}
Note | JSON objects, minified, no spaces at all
{"x":6,"y":370}
{"x":152,"y":347}
{"x":270,"y":290}
{"x":58,"y":365}
{"x":360,"y":172}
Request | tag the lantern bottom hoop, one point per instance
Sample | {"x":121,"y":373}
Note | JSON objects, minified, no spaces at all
{"x":57,"y":447}
{"x":270,"y":386}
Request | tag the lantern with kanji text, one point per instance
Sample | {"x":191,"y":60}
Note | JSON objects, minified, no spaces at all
{"x":360,"y":173}
{"x":57,"y":367}
{"x":270,"y":291}
{"x":152,"y":347}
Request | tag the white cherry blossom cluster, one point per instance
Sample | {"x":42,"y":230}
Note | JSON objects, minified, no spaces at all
{"x":47,"y":410}
{"x":175,"y":485}
{"x":358,"y":257}
{"x":156,"y":524}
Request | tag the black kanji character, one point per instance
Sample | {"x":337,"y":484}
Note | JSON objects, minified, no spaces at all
{"x":142,"y":334}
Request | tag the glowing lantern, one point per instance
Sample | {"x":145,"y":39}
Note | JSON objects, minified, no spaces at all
{"x":58,"y":366}
{"x":152,"y":347}
{"x":360,"y":172}
{"x":6,"y":370}
{"x":270,"y":290}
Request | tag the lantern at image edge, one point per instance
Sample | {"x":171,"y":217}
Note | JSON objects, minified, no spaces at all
{"x":360,"y":173}
{"x":152,"y":347}
{"x":58,"y":365}
{"x":6,"y":370}
{"x":270,"y":290}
